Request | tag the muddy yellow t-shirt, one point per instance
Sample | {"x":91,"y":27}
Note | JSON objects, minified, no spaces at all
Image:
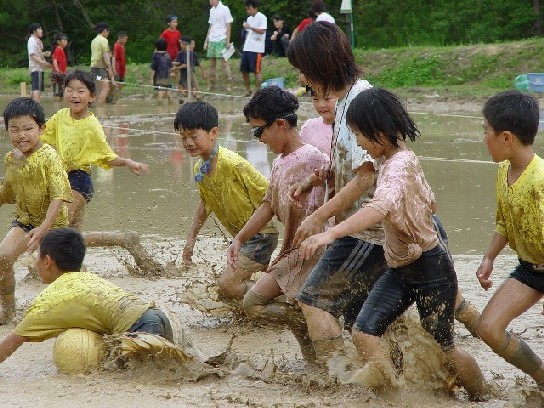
{"x":80,"y":143}
{"x":80,"y":300}
{"x":520,"y":210}
{"x":234,"y":191}
{"x":32,"y":183}
{"x":99,"y":46}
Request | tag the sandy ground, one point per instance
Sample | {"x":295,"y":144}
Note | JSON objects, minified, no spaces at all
{"x":268,"y":370}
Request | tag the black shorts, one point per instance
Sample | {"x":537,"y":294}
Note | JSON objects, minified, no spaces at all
{"x":100,"y":74}
{"x":25,"y":228}
{"x":430,"y":281}
{"x":81,"y":182}
{"x":526,"y":274}
{"x":37,"y":80}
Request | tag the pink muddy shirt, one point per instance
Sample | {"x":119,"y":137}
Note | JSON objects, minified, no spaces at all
{"x":404,"y":197}
{"x":318,"y":134}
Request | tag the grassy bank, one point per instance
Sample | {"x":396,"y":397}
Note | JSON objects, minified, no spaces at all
{"x":461,"y":71}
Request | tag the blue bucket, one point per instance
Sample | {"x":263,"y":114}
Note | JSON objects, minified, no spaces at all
{"x":274,"y":81}
{"x":536,"y":82}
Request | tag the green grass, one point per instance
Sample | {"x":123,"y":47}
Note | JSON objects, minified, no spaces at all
{"x":469,"y":70}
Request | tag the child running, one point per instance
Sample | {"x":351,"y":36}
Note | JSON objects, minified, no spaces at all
{"x":511,"y":121}
{"x":272,"y":114}
{"x":35,"y":181}
{"x":76,"y":299}
{"x":420,"y":268}
{"x":232,"y":189}
{"x":78,"y":137}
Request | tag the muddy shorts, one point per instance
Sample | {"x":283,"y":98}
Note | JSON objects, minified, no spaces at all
{"x":259,"y":248}
{"x":81,"y":182}
{"x":340,"y":282}
{"x":430,"y":282}
{"x":153,"y":321}
{"x":25,"y":228}
{"x":530,"y":275}
{"x":100,"y":74}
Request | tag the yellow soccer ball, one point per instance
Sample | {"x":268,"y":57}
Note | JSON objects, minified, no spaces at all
{"x":78,"y":351}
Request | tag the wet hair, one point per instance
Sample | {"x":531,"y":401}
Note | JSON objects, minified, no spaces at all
{"x":196,"y":115}
{"x":515,"y":112}
{"x":186,"y":39}
{"x":86,"y":78}
{"x":251,"y":3}
{"x":378,"y":111}
{"x":100,"y":27}
{"x":24,"y":107}
{"x":33,"y":27}
{"x":65,"y":246}
{"x":170,"y":18}
{"x":333,"y":67}
{"x":318,"y":6}
{"x":122,"y":34}
{"x":272,"y":103}
{"x":160,"y":44}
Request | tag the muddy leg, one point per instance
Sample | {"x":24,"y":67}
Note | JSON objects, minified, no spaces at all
{"x":466,"y":313}
{"x":262,"y":308}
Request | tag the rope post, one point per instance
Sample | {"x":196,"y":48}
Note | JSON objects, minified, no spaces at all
{"x":189,"y":73}
{"x":23,"y":88}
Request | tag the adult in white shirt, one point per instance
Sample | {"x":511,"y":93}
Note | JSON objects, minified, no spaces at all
{"x":320,"y":10}
{"x":253,"y":51}
{"x":36,"y":60}
{"x":217,"y":39}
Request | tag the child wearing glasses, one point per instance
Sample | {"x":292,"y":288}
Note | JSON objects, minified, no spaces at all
{"x":272,"y":113}
{"x":232,"y":189}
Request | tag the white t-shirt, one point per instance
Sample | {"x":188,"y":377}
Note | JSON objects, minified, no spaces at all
{"x":219,"y":18}
{"x":255,"y":42}
{"x":35,"y":47}
{"x":325,"y":17}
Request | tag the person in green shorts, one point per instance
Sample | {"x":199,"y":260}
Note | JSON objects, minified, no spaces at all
{"x":217,"y":39}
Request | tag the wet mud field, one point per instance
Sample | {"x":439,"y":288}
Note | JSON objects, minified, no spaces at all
{"x":264,"y":367}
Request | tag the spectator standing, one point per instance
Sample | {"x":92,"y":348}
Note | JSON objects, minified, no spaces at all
{"x":217,"y":39}
{"x":36,"y":59}
{"x":252,"y":54}
{"x":101,"y":61}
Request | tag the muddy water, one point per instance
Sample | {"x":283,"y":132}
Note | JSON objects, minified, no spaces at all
{"x":160,"y":207}
{"x":453,"y":157}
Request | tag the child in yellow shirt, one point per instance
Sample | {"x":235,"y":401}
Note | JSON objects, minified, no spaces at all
{"x":76,"y":299}
{"x":231,"y":188}
{"x":78,"y":137}
{"x":35,"y":181}
{"x":511,"y":121}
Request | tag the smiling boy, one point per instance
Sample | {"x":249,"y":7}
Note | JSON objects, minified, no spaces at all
{"x":35,"y":181}
{"x":231,"y":188}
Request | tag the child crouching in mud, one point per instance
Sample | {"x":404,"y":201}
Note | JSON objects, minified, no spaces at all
{"x":420,"y":268}
{"x":77,"y":299}
{"x":272,"y":114}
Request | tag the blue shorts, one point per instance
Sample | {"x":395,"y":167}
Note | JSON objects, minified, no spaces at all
{"x":430,"y":282}
{"x":341,"y":280}
{"x":154,"y":321}
{"x":259,"y":247}
{"x":37,"y":80}
{"x":526,"y":273}
{"x":81,"y":181}
{"x":251,"y":62}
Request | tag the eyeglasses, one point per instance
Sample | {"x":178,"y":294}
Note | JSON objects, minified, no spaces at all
{"x":258,"y":130}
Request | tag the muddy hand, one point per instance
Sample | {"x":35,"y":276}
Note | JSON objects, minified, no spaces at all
{"x":310,"y":226}
{"x":483,"y":273}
